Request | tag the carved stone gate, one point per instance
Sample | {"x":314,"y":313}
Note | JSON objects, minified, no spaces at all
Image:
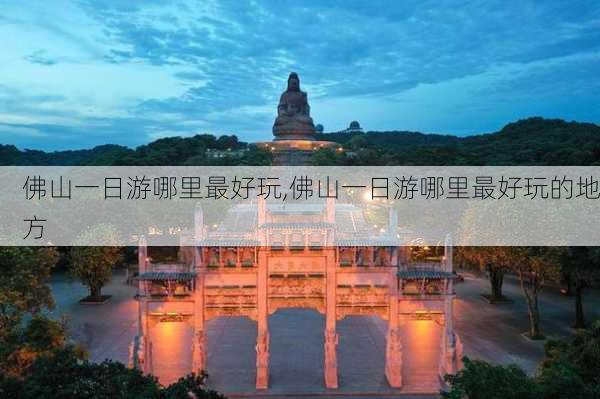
{"x":283,"y":266}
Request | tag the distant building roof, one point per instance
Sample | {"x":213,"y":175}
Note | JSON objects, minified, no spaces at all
{"x":354,"y":127}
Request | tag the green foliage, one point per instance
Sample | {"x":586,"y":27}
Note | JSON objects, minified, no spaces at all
{"x":167,"y":151}
{"x":492,"y":260}
{"x":328,"y":157}
{"x":580,"y":354}
{"x":561,"y":380}
{"x":24,"y":272}
{"x":533,"y":141}
{"x":534,"y":265}
{"x":93,"y":265}
{"x":481,"y":380}
{"x":63,"y":373}
{"x":570,"y":370}
{"x":580,"y":266}
{"x":190,"y":383}
{"x":24,"y":344}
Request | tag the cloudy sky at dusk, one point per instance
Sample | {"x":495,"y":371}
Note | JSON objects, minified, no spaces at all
{"x":82,"y":73}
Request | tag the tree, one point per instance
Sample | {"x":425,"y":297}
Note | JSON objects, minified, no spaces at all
{"x":24,"y":273}
{"x":534,"y":266}
{"x":93,"y":265}
{"x":327,"y":157}
{"x":191,"y":383}
{"x":493,"y":261}
{"x":580,"y":354}
{"x":481,"y":380}
{"x":64,"y":374}
{"x":570,"y":370}
{"x":581,"y":266}
{"x":26,"y":343}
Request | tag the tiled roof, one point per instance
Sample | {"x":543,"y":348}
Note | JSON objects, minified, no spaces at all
{"x":421,"y":274}
{"x":296,"y":225}
{"x":366,"y":242}
{"x":166,"y":276}
{"x":227,"y":242}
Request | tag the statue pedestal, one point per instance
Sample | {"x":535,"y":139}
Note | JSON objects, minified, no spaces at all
{"x":295,"y":152}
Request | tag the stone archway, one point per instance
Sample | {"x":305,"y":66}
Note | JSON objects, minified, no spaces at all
{"x":421,"y":354}
{"x":296,"y":349}
{"x":231,"y":360}
{"x":361,"y":353}
{"x":170,"y":346}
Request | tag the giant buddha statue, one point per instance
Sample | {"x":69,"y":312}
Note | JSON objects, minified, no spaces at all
{"x":293,"y":120}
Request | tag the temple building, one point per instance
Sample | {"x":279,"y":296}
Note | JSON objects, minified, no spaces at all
{"x":325,"y":256}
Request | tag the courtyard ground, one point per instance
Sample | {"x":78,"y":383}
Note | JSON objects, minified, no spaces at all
{"x":488,"y":332}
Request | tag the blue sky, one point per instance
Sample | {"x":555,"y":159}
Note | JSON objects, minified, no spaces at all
{"x":82,"y":73}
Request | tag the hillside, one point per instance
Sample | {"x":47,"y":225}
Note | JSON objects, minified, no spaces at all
{"x":533,"y":141}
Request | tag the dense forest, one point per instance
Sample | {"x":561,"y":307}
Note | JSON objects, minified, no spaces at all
{"x":533,"y":141}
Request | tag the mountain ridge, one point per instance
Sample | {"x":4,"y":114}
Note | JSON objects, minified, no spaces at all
{"x":530,"y":141}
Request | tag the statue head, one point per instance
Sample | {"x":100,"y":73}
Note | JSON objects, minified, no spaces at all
{"x":293,"y":82}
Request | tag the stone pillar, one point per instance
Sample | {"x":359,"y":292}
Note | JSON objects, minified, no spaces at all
{"x":142,"y":255}
{"x":331,"y":336}
{"x":393,"y":349}
{"x":262,"y":337}
{"x":142,"y":347}
{"x":261,"y":219}
{"x":394,"y":258}
{"x":448,"y":266}
{"x":330,"y":218}
{"x":404,"y":255}
{"x":451,"y":353}
{"x":199,"y":349}
{"x":393,"y":222}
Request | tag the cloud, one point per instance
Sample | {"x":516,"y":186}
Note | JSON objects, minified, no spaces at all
{"x":127,"y":72}
{"x":40,"y":57}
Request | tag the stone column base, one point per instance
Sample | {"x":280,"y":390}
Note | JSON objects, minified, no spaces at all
{"x":199,"y":353}
{"x":262,"y":361}
{"x":451,"y":358}
{"x":331,"y":372}
{"x":393,"y":359}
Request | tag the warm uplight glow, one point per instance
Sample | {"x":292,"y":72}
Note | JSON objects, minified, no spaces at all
{"x":171,"y":350}
{"x":422,"y":315}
